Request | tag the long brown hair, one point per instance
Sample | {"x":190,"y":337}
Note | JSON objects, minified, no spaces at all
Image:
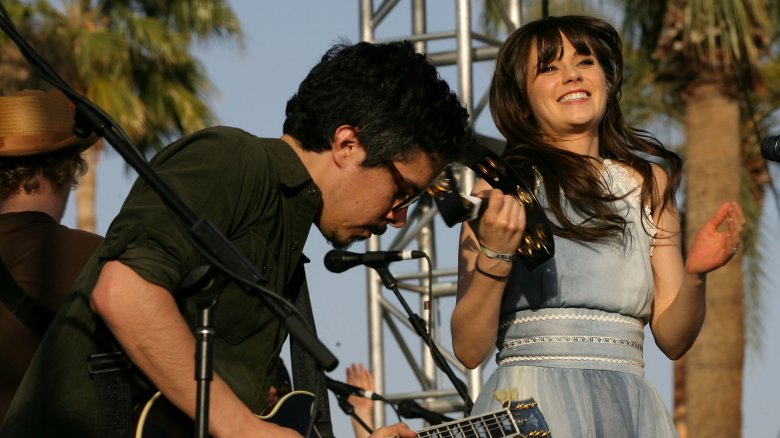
{"x":529,"y":149}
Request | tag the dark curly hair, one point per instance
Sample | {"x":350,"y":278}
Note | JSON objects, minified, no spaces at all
{"x":561,"y":170}
{"x":62,"y":168}
{"x":391,"y":94}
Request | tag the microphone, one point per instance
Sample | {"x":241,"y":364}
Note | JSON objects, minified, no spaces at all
{"x":770,"y":148}
{"x":347,"y":390}
{"x":338,"y":260}
{"x":410,"y":409}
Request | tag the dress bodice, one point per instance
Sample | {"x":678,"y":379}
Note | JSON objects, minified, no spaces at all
{"x":613,"y":275}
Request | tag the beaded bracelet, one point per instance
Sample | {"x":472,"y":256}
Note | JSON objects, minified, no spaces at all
{"x":497,"y":255}
{"x":489,"y":275}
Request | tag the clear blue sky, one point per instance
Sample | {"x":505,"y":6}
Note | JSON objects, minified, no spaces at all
{"x":283,"y":41}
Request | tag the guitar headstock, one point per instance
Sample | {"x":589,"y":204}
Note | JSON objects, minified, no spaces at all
{"x":528,"y":418}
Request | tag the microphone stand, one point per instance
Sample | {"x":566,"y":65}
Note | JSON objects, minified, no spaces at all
{"x":350,"y":410}
{"x":205,"y":236}
{"x":419,"y":326}
{"x":199,"y":284}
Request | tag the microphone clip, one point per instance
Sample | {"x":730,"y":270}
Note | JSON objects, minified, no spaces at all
{"x":346,"y":390}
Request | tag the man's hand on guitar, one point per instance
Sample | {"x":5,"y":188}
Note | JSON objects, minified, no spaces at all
{"x":273,"y":431}
{"x":398,"y":430}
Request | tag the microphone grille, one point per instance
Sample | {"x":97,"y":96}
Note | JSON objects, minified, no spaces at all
{"x":334,"y":262}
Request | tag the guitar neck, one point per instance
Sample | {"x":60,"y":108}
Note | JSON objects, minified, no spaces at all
{"x":517,"y":419}
{"x":492,"y":425}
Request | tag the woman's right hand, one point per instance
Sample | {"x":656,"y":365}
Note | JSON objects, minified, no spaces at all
{"x":501,"y":226}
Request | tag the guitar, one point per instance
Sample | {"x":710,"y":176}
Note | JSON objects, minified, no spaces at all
{"x":516,"y":419}
{"x":161,"y":419}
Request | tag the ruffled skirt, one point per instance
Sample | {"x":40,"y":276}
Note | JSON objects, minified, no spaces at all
{"x":584,"y":369}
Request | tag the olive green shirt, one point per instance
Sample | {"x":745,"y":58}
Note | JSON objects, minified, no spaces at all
{"x":261,"y":196}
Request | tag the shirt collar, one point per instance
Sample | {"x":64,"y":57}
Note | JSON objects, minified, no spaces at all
{"x":292,"y":172}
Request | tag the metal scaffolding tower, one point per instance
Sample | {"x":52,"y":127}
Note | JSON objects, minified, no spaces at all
{"x":436,"y":392}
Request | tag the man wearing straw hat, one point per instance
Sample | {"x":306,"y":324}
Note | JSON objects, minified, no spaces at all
{"x":40,"y":162}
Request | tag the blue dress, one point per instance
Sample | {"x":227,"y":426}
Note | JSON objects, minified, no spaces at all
{"x":571,"y":331}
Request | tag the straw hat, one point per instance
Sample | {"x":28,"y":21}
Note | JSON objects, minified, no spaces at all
{"x":34,"y":122}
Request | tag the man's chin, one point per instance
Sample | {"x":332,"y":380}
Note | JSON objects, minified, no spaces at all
{"x":379,"y":230}
{"x":340,"y":243}
{"x":344,"y":243}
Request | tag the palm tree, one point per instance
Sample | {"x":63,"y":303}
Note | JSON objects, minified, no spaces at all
{"x":709,"y":51}
{"x":130,"y":57}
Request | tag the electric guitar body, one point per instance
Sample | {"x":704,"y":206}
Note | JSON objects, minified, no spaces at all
{"x":159,"y":418}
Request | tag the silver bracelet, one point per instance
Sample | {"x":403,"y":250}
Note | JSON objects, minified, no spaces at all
{"x":497,"y":255}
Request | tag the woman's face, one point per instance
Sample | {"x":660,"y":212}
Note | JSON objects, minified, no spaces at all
{"x":569,"y":95}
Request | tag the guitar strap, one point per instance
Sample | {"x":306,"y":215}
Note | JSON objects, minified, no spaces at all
{"x":306,"y":374}
{"x":110,"y":370}
{"x":31,"y":312}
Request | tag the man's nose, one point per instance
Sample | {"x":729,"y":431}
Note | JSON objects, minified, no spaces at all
{"x":397,"y":218}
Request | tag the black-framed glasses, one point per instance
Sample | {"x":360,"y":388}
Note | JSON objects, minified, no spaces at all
{"x":410,"y":193}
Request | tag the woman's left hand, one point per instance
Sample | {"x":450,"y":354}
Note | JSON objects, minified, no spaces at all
{"x":712,"y":248}
{"x":359,"y":376}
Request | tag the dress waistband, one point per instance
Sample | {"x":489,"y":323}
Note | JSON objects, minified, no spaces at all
{"x":571,"y":338}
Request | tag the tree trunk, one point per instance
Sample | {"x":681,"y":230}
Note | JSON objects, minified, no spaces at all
{"x":680,"y":414}
{"x":85,"y":195}
{"x":713,"y":367}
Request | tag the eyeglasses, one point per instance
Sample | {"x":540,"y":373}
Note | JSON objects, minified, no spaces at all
{"x":407,"y":192}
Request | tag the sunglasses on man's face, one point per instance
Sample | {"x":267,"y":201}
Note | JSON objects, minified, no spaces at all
{"x":407,"y":194}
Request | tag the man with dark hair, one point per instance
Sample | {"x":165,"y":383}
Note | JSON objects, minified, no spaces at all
{"x":368,"y":130}
{"x":40,"y":162}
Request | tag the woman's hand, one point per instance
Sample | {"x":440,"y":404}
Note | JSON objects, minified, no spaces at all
{"x":501,"y":226}
{"x":712,"y":248}
{"x":358,"y":375}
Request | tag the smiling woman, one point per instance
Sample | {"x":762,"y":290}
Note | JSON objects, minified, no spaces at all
{"x":570,"y":332}
{"x":568,"y":96}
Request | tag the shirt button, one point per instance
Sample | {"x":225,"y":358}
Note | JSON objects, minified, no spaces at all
{"x":310,"y":190}
{"x":295,"y":245}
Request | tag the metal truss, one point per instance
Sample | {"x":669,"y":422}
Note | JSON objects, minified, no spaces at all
{"x":436,"y":393}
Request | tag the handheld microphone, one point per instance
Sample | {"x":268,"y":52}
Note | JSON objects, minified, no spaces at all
{"x":410,"y":409}
{"x":770,"y":148}
{"x":346,"y":390}
{"x":338,"y":260}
